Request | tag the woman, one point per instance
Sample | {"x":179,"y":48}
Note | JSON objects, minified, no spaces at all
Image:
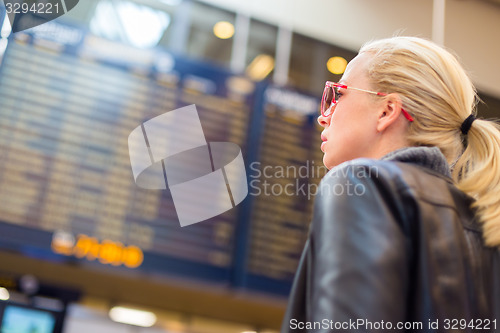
{"x":407,"y":221}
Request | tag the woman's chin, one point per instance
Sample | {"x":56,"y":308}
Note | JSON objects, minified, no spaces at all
{"x":326,"y":162}
{"x":331,"y":160}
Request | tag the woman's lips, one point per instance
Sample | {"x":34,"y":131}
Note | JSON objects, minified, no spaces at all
{"x":324,"y":139}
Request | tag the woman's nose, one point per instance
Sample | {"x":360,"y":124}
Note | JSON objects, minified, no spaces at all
{"x":324,"y":121}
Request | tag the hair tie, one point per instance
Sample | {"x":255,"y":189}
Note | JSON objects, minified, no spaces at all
{"x":466,"y":125}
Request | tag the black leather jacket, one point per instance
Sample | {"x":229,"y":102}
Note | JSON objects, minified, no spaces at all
{"x":400,"y":252}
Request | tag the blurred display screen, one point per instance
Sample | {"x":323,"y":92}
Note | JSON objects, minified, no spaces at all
{"x":23,"y":320}
{"x":68,"y":103}
{"x":285,"y":181}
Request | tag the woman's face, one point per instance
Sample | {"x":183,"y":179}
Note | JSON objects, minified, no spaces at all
{"x":350,"y":130}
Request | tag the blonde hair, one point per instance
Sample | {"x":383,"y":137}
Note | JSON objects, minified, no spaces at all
{"x":438,"y":93}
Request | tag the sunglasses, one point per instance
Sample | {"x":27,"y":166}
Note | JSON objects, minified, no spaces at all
{"x":331,"y":96}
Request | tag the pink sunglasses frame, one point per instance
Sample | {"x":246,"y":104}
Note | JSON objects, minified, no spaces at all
{"x":331,"y":85}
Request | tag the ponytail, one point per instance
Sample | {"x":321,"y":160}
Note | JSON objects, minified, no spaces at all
{"x":477,"y":173}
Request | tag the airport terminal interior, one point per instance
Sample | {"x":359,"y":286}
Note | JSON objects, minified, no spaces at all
{"x":86,"y":245}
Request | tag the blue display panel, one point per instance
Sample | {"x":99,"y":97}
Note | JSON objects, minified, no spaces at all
{"x":18,"y":319}
{"x":69,"y":101}
{"x":32,"y":316}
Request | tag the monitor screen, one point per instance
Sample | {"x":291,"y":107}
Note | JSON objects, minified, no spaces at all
{"x":18,"y":319}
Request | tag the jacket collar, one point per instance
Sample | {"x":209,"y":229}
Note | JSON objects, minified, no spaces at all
{"x":428,"y":157}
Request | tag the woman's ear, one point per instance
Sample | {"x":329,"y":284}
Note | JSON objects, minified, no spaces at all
{"x":389,"y":112}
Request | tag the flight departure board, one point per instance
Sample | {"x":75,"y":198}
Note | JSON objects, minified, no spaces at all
{"x":285,"y":180}
{"x":69,"y":101}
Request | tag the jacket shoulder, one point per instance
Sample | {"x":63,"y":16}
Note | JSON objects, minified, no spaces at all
{"x":363,"y":170}
{"x":407,"y":182}
{"x":420,"y":182}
